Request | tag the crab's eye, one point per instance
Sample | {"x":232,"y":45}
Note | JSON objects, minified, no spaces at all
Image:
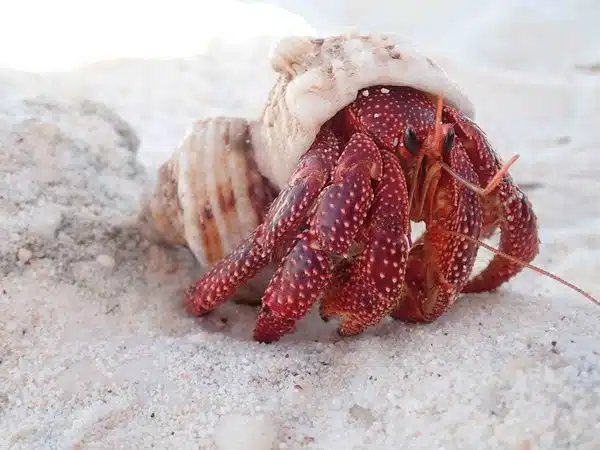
{"x":449,"y":140}
{"x":410,"y":141}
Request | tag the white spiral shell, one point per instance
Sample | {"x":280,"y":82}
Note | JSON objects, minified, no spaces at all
{"x":217,"y":185}
{"x":209,"y":195}
{"x":319,"y":77}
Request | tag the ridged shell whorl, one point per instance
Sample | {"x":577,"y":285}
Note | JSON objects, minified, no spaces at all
{"x":209,"y":195}
{"x":319,"y":77}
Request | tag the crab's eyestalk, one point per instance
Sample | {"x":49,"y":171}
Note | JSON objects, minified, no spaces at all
{"x":411,"y":143}
{"x":443,"y":138}
{"x":448,"y":140}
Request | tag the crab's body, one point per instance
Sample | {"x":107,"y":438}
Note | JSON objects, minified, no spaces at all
{"x":337,"y":143}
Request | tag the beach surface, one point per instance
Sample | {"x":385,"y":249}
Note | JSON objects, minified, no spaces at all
{"x":96,"y":349}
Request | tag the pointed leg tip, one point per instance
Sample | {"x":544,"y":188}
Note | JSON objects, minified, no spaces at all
{"x":347,"y":333}
{"x":349,"y":328}
{"x":267,"y":335}
{"x":342,"y":333}
{"x":192,"y":304}
{"x":262,"y":339}
{"x":325,"y":316}
{"x":395,"y":315}
{"x":196,"y":310}
{"x":270,"y":327}
{"x":475,"y":286}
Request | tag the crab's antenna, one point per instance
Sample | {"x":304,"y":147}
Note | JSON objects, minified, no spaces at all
{"x":411,"y":197}
{"x":492,"y":184}
{"x":438,"y":122}
{"x":524,"y":264}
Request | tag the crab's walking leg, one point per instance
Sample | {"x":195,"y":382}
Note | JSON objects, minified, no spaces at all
{"x":376,"y":279}
{"x":340,"y":212}
{"x":506,"y":207}
{"x":277,"y":232}
{"x":518,"y":238}
{"x":440,"y":263}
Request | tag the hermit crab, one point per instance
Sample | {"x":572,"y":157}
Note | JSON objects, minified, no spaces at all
{"x":313,"y":202}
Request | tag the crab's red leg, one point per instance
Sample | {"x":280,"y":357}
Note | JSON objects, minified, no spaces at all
{"x":439,"y":264}
{"x":506,"y":207}
{"x":377,"y":277}
{"x":518,"y":238}
{"x":276,"y":233}
{"x":340,"y":212}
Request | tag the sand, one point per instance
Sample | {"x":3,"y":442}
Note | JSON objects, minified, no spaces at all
{"x":96,"y":351}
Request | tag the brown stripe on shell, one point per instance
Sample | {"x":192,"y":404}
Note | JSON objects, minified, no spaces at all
{"x":172,"y":210}
{"x":209,"y":233}
{"x":260,"y":190}
{"x":226,"y":192}
{"x":235,"y":151}
{"x":223,"y":187}
{"x":160,"y":217}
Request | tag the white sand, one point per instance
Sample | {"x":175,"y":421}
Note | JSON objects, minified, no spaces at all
{"x":96,"y":350}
